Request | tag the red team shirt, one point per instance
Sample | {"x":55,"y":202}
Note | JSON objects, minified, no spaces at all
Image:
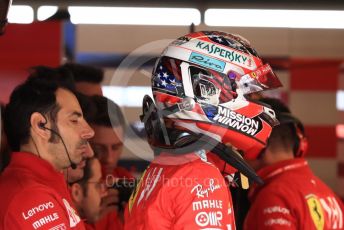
{"x":33,"y":195}
{"x":293,"y":198}
{"x":180,"y":192}
{"x":112,"y":219}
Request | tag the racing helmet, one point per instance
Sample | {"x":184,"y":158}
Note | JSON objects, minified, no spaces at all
{"x":200,"y":83}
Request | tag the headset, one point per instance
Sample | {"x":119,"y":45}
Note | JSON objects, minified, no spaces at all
{"x":41,"y":125}
{"x":301,"y":142}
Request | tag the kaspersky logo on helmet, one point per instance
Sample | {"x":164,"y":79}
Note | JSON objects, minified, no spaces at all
{"x":220,"y":52}
{"x":214,"y":49}
{"x":229,"y":118}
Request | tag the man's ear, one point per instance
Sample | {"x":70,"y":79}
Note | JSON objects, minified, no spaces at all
{"x":38,"y":122}
{"x":77,"y":193}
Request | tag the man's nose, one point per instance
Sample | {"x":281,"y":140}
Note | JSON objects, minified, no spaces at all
{"x":109,"y":155}
{"x":87,"y":132}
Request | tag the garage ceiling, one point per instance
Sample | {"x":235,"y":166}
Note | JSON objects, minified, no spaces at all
{"x":201,"y":5}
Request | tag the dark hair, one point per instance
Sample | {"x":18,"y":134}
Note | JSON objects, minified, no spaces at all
{"x":86,"y":105}
{"x":65,"y":80}
{"x":4,"y":150}
{"x":84,"y":73}
{"x":62,"y":76}
{"x":36,"y":94}
{"x":108,"y":113}
{"x":283,"y":136}
{"x":2,"y":110}
{"x":276,"y":104}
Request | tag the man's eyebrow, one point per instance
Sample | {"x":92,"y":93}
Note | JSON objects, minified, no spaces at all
{"x":76,"y":113}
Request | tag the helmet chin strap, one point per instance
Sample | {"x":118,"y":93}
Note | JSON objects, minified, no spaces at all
{"x":230,"y":156}
{"x":192,"y":142}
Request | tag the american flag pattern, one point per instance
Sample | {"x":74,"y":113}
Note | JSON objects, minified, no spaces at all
{"x":165,"y":77}
{"x":210,"y":111}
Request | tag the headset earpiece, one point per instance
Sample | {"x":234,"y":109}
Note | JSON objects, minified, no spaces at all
{"x":301,"y":145}
{"x":41,"y":125}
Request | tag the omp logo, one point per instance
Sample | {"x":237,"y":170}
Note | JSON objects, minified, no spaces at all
{"x":203,"y":219}
{"x":207,"y":61}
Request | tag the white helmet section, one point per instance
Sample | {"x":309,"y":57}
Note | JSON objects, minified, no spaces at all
{"x":209,"y":55}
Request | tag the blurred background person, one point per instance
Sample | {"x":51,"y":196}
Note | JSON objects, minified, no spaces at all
{"x":107,"y":118}
{"x":4,"y":8}
{"x":110,"y":127}
{"x":87,"y":78}
{"x":88,"y":192}
{"x":292,"y":197}
{"x":4,"y":147}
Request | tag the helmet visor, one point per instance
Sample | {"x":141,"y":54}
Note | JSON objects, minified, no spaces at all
{"x":260,"y":79}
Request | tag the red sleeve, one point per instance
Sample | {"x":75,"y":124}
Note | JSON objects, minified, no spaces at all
{"x":201,"y":200}
{"x":270,"y":211}
{"x":38,"y":209}
{"x":110,"y":221}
